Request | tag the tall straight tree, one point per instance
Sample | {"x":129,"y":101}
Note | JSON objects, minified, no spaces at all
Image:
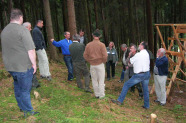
{"x":131,"y":22}
{"x":149,"y":29}
{"x":49,"y":29}
{"x":71,"y":17}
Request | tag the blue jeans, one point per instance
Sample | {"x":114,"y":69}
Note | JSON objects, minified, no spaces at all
{"x":22,"y":88}
{"x":136,"y":78}
{"x":122,"y":75}
{"x":68,"y":62}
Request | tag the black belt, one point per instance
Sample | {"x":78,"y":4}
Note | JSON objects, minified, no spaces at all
{"x":67,"y":55}
{"x":155,"y":74}
{"x":141,"y":72}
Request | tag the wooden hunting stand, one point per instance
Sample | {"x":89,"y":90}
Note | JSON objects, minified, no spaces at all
{"x":176,"y":58}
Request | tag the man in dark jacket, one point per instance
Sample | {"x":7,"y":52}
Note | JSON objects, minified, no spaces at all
{"x":76,"y":50}
{"x":126,"y":51}
{"x":40,"y":50}
{"x":160,"y":76}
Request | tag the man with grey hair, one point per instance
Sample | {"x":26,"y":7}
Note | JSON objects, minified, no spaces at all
{"x":126,"y":51}
{"x":40,"y":50}
{"x":27,"y":25}
{"x":160,"y":76}
{"x":64,"y":44}
{"x":76,"y":50}
{"x":35,"y":83}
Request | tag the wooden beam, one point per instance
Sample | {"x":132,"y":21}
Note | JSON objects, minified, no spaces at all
{"x":181,"y":39}
{"x":181,"y":80}
{"x":173,"y":53}
{"x":162,"y":41}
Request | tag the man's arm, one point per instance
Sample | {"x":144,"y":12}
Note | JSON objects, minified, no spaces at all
{"x":32,"y":56}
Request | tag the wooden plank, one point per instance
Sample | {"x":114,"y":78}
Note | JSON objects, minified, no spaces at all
{"x":181,"y":39}
{"x":161,"y":38}
{"x":171,"y":44}
{"x":181,"y":29}
{"x":170,"y":24}
{"x":181,"y":80}
{"x":173,"y":78}
{"x":183,"y":72}
{"x":173,"y":53}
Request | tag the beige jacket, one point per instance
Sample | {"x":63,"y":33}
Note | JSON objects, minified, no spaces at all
{"x":95,"y":52}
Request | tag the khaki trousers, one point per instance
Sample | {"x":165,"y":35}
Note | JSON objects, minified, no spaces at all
{"x":43,"y":63}
{"x":98,"y":77}
{"x":160,"y":87}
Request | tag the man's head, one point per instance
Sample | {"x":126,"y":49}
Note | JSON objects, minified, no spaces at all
{"x":40,"y":23}
{"x":161,"y":52}
{"x":81,"y":33}
{"x":76,"y":37}
{"x":96,"y":33}
{"x":123,"y":47}
{"x":27,"y":25}
{"x":133,"y":49}
{"x":143,"y":45}
{"x":16,"y":15}
{"x":67,"y":35}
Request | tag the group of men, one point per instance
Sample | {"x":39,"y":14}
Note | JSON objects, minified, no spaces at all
{"x":19,"y":56}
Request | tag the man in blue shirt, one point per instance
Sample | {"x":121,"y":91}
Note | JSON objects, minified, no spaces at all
{"x":160,"y":76}
{"x":64,"y":44}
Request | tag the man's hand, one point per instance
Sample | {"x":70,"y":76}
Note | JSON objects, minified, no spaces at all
{"x":52,"y":40}
{"x":130,"y":54}
{"x":35,"y":68}
{"x":127,"y":67}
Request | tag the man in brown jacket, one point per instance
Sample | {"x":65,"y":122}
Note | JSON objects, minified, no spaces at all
{"x":96,"y":54}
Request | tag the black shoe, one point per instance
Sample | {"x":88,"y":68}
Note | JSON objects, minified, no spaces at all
{"x":42,"y":77}
{"x":162,"y":104}
{"x":97,"y":97}
{"x":38,"y":86}
{"x":34,"y":113}
{"x":88,"y":91}
{"x":49,"y":78}
{"x":116,"y":102}
{"x":156,"y":101}
{"x":144,"y":107}
{"x":27,"y":114}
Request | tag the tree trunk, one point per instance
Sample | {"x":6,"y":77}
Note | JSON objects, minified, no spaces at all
{"x":71,"y":17}
{"x":1,"y":15}
{"x":23,"y":9}
{"x":131,"y":22}
{"x":50,"y":34}
{"x":96,"y":12}
{"x":149,"y":29}
{"x":137,"y":23}
{"x":87,"y":21}
{"x":65,"y":15}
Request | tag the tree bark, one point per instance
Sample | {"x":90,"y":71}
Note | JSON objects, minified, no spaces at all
{"x":87,"y":21}
{"x":71,"y":17}
{"x":49,"y":29}
{"x":96,"y":13}
{"x":65,"y":15}
{"x":149,"y":29}
{"x":131,"y":22}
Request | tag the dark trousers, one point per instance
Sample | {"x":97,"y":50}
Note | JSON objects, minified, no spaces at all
{"x":68,"y":62}
{"x":112,"y":65}
{"x":35,"y":82}
{"x":138,"y":86}
{"x":81,"y":68}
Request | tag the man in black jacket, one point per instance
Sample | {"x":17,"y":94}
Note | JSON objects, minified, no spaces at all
{"x":126,"y":51}
{"x":40,"y":50}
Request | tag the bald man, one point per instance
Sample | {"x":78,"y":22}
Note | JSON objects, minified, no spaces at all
{"x":160,"y":76}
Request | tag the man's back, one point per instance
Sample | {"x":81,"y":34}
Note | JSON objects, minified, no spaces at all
{"x":76,"y":51}
{"x":95,"y":52}
{"x":16,"y":41}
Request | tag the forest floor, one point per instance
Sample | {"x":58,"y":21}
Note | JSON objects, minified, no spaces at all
{"x":61,"y":101}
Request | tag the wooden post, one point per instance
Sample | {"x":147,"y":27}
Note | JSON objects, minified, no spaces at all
{"x":153,"y":117}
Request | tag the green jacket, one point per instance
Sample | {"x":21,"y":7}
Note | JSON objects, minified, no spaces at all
{"x":112,"y":55}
